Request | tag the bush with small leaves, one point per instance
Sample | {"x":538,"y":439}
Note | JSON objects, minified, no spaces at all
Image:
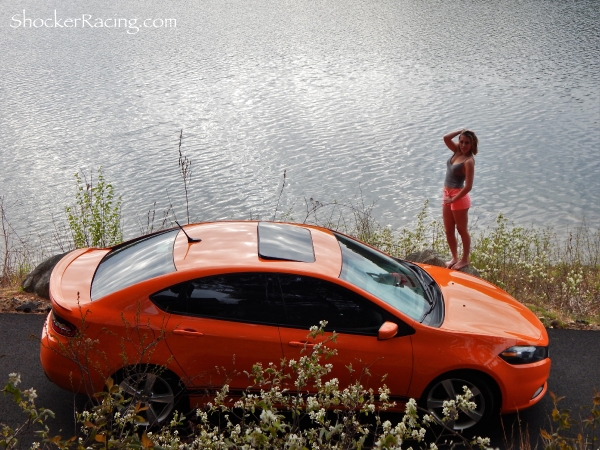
{"x":287,"y":406}
{"x":95,"y":218}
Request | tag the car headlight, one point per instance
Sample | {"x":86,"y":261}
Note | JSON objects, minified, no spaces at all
{"x":524,"y":354}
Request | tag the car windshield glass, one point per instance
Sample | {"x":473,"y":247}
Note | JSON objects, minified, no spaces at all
{"x":382,"y":277}
{"x":140,"y":260}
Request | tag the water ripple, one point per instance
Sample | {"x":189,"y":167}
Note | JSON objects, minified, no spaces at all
{"x":349,"y":97}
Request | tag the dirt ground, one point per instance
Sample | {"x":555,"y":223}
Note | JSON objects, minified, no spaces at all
{"x":14,"y":301}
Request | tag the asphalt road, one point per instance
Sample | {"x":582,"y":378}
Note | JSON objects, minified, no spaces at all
{"x":575,"y":373}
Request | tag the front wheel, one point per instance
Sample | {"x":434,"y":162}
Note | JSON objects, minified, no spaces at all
{"x":158,"y":392}
{"x":448,"y":387}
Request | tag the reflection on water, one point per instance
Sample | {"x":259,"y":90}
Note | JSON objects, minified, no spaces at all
{"x":349,"y":96}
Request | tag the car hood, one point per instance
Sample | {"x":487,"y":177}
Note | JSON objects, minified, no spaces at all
{"x":473,"y":305}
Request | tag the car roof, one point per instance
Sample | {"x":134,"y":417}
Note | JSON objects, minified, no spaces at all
{"x":234,"y":246}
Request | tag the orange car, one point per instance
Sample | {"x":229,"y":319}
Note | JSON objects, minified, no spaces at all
{"x":197,"y":306}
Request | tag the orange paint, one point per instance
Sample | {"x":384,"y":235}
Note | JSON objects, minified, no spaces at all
{"x":480,"y":322}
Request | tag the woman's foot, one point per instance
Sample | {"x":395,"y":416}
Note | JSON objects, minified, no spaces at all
{"x":451,"y":263}
{"x":460,"y":264}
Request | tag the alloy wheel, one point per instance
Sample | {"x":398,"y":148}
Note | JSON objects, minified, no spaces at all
{"x":153,"y":393}
{"x":448,"y":389}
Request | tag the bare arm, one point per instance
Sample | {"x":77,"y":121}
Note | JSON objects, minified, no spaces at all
{"x":449,"y":142}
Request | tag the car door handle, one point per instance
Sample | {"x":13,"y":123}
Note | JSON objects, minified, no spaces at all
{"x":188,"y":332}
{"x":300,"y":344}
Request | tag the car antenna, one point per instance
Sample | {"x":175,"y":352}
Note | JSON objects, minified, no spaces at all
{"x":190,"y":239}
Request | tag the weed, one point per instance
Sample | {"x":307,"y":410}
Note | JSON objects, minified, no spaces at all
{"x":537,"y":268}
{"x":185,"y":169}
{"x":17,"y":253}
{"x":257,"y":419}
{"x":151,"y":224}
{"x":279,"y":197}
{"x":569,"y":433}
{"x":560,"y":277}
{"x":95,"y":219}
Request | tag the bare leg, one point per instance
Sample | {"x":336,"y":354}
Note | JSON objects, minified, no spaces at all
{"x":461,"y":218}
{"x":449,"y":226}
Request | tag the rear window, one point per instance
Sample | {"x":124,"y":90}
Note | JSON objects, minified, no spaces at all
{"x":132,"y":263}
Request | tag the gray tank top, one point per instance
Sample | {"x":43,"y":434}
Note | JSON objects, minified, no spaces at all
{"x":454,"y":174}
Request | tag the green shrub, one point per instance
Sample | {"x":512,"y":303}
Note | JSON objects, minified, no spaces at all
{"x":285,"y":407}
{"x":535,"y":266}
{"x":95,"y":218}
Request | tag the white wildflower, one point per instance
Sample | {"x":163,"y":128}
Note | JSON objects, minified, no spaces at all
{"x":14,"y":378}
{"x":268,"y":417}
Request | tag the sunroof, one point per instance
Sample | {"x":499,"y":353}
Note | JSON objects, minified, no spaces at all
{"x":285,"y":242}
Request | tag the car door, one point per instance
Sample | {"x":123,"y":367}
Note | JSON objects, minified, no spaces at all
{"x":220,"y":327}
{"x":309,"y":300}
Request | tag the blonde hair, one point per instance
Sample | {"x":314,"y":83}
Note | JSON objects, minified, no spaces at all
{"x":474,"y":141}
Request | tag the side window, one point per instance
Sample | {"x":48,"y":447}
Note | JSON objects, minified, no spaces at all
{"x":309,"y":300}
{"x":172,"y":299}
{"x":239,"y":297}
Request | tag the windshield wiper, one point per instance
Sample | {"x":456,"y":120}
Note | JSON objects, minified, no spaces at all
{"x":431,"y":299}
{"x":430,"y":289}
{"x":428,"y":283}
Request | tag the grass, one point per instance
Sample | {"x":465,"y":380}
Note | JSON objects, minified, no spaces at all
{"x":291,"y":404}
{"x":556,"y":276}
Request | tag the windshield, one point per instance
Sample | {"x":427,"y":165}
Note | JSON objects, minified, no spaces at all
{"x":140,"y":260}
{"x":382,"y":277}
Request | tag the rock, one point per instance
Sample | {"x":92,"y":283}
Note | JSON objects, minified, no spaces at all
{"x":38,"y":281}
{"x":27,"y":307}
{"x":428,"y":257}
{"x":556,"y":324}
{"x":470,"y":270}
{"x":433,"y":258}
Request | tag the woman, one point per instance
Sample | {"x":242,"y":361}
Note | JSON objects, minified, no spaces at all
{"x":456,"y":201}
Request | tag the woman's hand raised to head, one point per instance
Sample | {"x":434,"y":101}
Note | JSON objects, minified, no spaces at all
{"x":448,"y":139}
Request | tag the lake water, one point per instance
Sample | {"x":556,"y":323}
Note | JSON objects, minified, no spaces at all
{"x":349,"y":97}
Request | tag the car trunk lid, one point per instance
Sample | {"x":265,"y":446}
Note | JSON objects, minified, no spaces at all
{"x":71,"y":278}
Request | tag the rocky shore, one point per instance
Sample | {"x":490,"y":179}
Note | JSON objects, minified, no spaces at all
{"x":12,"y":301}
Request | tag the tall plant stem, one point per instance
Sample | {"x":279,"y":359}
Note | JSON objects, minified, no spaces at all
{"x":186,"y":174}
{"x":279,"y":198}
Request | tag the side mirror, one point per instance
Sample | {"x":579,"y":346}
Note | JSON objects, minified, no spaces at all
{"x":387,"y":331}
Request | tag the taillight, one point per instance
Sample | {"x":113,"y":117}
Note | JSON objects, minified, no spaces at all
{"x":62,"y":326}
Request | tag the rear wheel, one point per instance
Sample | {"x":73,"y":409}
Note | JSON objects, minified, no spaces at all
{"x":158,"y":392}
{"x":448,"y":387}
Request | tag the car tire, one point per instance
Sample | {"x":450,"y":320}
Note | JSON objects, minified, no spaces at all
{"x":448,"y":386}
{"x":158,"y":391}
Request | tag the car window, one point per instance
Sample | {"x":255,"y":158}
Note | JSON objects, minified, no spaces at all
{"x":382,"y":277}
{"x":239,"y":297}
{"x":133,"y":262}
{"x":309,"y":300}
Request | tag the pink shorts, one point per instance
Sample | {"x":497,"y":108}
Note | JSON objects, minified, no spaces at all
{"x":462,"y":203}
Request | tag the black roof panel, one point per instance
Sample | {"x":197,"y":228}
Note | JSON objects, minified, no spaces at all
{"x":285,"y":242}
